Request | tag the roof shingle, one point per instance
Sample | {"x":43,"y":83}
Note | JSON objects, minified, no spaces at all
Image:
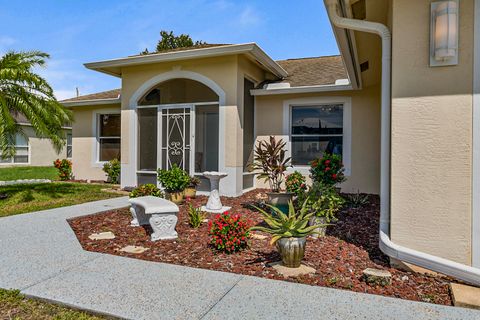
{"x":110,"y":94}
{"x":313,"y":71}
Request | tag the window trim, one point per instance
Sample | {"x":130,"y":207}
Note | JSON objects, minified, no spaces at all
{"x":29,"y":154}
{"x":96,"y":133}
{"x":317,"y":101}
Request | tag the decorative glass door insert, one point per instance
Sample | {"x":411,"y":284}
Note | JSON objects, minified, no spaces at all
{"x":176,"y":137}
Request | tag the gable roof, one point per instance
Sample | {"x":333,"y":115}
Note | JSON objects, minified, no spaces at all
{"x":302,"y":72}
{"x":114,"y":66}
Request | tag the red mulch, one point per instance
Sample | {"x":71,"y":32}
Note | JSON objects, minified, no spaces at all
{"x":351,"y":245}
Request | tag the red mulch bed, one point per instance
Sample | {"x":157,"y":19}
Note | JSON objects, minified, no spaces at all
{"x":351,"y":245}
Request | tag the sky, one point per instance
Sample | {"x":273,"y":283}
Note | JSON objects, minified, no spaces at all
{"x":76,"y":32}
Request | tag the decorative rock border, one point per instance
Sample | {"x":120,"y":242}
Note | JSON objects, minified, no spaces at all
{"x":23,"y":181}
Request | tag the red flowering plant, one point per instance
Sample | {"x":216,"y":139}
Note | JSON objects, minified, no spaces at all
{"x":64,"y":167}
{"x":229,"y":232}
{"x":296,"y":183}
{"x":328,"y":170}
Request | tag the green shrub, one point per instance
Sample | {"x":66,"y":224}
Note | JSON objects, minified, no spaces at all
{"x":173,"y":180}
{"x":356,"y":200}
{"x":328,"y":170}
{"x":323,"y":202}
{"x":112,"y":169}
{"x":195,"y":216}
{"x":64,"y":167}
{"x":146,"y":190}
{"x":296,"y":183}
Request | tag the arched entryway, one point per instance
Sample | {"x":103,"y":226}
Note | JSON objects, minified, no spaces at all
{"x":178,"y":121}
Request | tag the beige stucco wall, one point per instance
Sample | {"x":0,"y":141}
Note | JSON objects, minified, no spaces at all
{"x":41,"y":151}
{"x":365,"y":133}
{"x":431,"y":136}
{"x":84,"y":142}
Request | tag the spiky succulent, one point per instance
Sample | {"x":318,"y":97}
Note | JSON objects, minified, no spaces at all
{"x":289,"y":225}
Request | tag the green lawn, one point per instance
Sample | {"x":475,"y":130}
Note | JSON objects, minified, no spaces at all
{"x":16,"y":173}
{"x":13,"y":305}
{"x":33,"y":197}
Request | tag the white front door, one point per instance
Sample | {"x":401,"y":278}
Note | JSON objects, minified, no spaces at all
{"x":175,"y":136}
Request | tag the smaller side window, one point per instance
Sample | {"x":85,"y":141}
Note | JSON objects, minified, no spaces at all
{"x":108,"y":137}
{"x":69,"y":145}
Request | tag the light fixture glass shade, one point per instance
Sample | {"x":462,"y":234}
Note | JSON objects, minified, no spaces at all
{"x":446,"y":30}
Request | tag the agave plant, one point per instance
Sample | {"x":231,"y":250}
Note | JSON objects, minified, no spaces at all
{"x":289,"y":225}
{"x":271,"y":159}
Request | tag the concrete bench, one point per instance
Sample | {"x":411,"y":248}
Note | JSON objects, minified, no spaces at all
{"x":161,"y":214}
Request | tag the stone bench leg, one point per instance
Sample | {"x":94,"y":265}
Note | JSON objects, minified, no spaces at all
{"x":163,"y":226}
{"x":138,"y":215}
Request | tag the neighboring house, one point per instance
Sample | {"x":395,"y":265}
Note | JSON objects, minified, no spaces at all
{"x":204,"y":108}
{"x":35,"y":151}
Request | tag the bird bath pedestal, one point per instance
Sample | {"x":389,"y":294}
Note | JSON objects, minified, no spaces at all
{"x":214,"y":204}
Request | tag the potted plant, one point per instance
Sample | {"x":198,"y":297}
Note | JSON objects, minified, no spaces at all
{"x":289,"y":232}
{"x":271,"y":159}
{"x":324,"y":203}
{"x":112,"y":170}
{"x":328,"y":170}
{"x":174,"y":181}
{"x":191,"y":189}
{"x":296,"y":183}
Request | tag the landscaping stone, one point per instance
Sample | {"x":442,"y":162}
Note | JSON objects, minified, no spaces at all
{"x":377,"y":277}
{"x":134,"y":249}
{"x":465,"y":296}
{"x":102,"y":236}
{"x":292,"y":272}
{"x":257,"y":236}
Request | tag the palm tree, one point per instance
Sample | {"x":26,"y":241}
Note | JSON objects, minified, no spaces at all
{"x":25,"y":93}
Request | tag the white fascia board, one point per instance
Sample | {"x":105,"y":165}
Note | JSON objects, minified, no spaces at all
{"x":348,"y":49}
{"x":304,"y":89}
{"x":247,"y":48}
{"x":95,"y":102}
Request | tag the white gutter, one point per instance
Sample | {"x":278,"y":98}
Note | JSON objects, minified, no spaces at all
{"x":302,"y":89}
{"x":463,"y":272}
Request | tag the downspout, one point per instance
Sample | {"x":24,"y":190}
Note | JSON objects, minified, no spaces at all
{"x":463,"y":272}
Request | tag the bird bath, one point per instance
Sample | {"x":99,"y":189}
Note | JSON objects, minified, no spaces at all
{"x":214,"y":204}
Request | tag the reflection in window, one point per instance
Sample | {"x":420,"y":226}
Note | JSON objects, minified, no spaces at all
{"x":108,"y":137}
{"x":315,"y":130}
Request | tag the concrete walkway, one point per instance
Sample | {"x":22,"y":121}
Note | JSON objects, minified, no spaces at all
{"x":40,"y":256}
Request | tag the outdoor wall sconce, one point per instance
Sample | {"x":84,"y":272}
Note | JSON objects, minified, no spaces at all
{"x":444,"y":33}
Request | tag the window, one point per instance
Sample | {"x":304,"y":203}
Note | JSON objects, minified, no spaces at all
{"x":315,"y":130}
{"x":69,"y":145}
{"x":21,"y":151}
{"x":108,"y":137}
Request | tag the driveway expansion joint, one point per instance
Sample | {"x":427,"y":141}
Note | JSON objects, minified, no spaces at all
{"x":221,"y":298}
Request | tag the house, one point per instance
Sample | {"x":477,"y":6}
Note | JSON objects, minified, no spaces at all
{"x":400,"y":104}
{"x":32,"y":150}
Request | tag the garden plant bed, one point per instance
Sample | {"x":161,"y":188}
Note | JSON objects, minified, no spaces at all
{"x":351,"y":245}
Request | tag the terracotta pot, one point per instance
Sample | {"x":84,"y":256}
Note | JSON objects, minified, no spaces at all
{"x":175,"y":197}
{"x":190,"y":192}
{"x":292,"y":251}
{"x":322,"y":230}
